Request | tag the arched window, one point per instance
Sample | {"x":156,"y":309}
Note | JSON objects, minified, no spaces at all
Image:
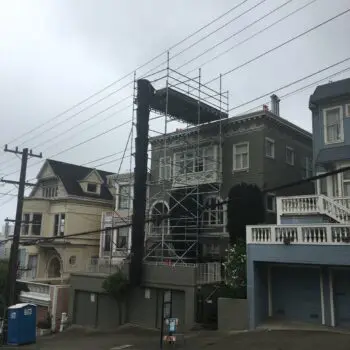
{"x":159,"y":225}
{"x":213,"y":214}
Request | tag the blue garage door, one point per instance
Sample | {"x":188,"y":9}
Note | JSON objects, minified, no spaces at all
{"x":341,"y":290}
{"x":296,"y":294}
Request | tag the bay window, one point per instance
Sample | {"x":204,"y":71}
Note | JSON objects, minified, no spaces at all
{"x":333,"y":125}
{"x":195,"y":161}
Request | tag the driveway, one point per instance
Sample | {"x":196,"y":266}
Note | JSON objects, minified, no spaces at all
{"x":76,"y":339}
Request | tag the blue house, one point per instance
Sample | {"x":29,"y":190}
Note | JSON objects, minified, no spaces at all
{"x":299,"y":269}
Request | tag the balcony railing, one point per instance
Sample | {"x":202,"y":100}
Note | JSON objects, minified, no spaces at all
{"x":103,"y":265}
{"x":38,"y":288}
{"x":192,"y":179}
{"x":335,"y":208}
{"x":324,"y":234}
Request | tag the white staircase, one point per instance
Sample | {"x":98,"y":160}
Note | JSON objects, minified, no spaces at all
{"x":335,"y":208}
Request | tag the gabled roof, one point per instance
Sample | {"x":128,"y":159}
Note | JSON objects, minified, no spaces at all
{"x":331,"y":90}
{"x":71,"y":174}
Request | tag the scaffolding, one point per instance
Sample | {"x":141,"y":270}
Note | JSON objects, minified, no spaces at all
{"x":186,"y":166}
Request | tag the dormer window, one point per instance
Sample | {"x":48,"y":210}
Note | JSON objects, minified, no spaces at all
{"x":50,"y":191}
{"x":91,"y":187}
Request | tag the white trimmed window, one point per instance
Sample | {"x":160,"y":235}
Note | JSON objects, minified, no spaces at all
{"x":333,"y":125}
{"x":347,"y":110}
{"x":187,"y":162}
{"x":269,"y":148}
{"x":346,"y":183}
{"x":122,"y":238}
{"x":241,"y":156}
{"x":165,"y":168}
{"x":271,"y":202}
{"x":159,"y":226}
{"x":307,"y":167}
{"x":213,"y":214}
{"x":59,"y":224}
{"x":124,"y":196}
{"x":107,"y":240}
{"x":290,"y":155}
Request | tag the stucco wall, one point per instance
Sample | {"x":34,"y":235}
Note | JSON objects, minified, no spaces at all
{"x":142,"y":308}
{"x":232,"y":314}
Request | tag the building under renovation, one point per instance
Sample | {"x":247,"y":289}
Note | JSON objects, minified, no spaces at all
{"x":197,"y":154}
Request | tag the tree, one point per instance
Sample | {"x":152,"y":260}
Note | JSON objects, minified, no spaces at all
{"x":235,"y":269}
{"x":117,"y":286}
{"x":245,"y":207}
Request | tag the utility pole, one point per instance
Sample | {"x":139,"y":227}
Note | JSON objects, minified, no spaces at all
{"x":12,"y":273}
{"x":145,"y":94}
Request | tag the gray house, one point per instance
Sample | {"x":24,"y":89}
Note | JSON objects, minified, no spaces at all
{"x":299,"y":269}
{"x":195,"y":168}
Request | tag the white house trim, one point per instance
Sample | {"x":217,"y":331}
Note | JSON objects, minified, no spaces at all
{"x":54,"y":308}
{"x":341,"y":116}
{"x":322,"y":298}
{"x":150,"y":213}
{"x":269,"y":290}
{"x":331,"y":297}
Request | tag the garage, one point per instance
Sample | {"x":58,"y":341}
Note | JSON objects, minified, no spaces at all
{"x":296,"y":294}
{"x":85,"y":308}
{"x":341,"y":295}
{"x":96,"y":310}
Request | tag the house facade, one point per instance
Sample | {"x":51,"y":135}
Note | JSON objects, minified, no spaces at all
{"x":115,"y":244}
{"x":298,"y":270}
{"x":259,"y":148}
{"x":192,"y":169}
{"x":68,"y":199}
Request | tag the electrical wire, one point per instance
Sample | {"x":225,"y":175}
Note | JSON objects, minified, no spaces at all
{"x":291,"y":83}
{"x":78,"y":144}
{"x":234,"y":34}
{"x":70,"y":117}
{"x":166,"y":216}
{"x":282,"y":44}
{"x":83,"y":130}
{"x":93,"y":104}
{"x":130,"y":73}
{"x":252,"y":36}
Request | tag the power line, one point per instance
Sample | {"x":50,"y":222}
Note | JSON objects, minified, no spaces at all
{"x":130,"y":73}
{"x":206,"y":36}
{"x":232,"y":9}
{"x":236,"y":33}
{"x":166,"y":216}
{"x":85,"y":129}
{"x":70,"y":117}
{"x":300,"y":89}
{"x":291,"y":83}
{"x":282,"y":44}
{"x":252,"y":36}
{"x":80,"y":143}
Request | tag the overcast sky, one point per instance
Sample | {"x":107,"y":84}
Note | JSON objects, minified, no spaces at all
{"x":55,"y":53}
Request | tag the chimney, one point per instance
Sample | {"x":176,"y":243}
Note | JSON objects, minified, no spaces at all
{"x":275,"y":105}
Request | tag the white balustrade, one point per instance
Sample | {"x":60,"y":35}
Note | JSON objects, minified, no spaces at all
{"x":322,"y":234}
{"x":343,"y":201}
{"x":37,"y":288}
{"x":104,"y":265}
{"x":336,"y":208}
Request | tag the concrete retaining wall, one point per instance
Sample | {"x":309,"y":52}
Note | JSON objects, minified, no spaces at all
{"x":232,"y":314}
